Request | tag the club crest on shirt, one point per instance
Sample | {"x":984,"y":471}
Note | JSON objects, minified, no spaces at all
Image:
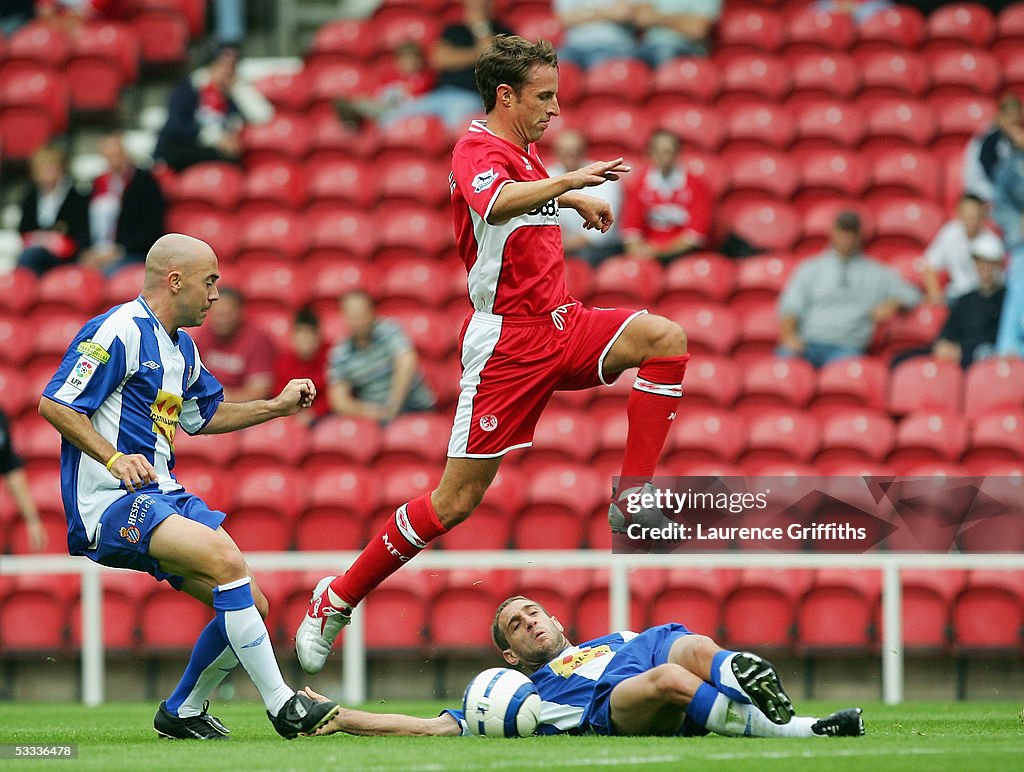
{"x":165,"y":413}
{"x":131,"y":534}
{"x":489,"y":422}
{"x":484,"y":180}
{"x":570,"y":663}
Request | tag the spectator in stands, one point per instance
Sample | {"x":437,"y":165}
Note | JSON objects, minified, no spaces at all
{"x":1008,"y":197}
{"x":408,"y":78}
{"x":861,"y":11}
{"x":206,"y":114}
{"x":306,"y":358}
{"x":17,"y":484}
{"x":373,"y":373}
{"x":595,"y":30}
{"x":987,"y":151}
{"x":126,"y":211}
{"x":969,"y":334}
{"x":950,"y":251}
{"x":14,"y":14}
{"x":455,"y":99}
{"x":54,"y":216}
{"x":1010,"y":339}
{"x":586,"y":243}
{"x":235,"y":350}
{"x":830,"y":306}
{"x":229,"y":18}
{"x":70,"y":14}
{"x":667,"y":210}
{"x":673,"y":28}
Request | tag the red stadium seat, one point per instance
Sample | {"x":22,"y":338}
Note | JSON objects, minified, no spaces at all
{"x":163,"y":604}
{"x":422,"y":135}
{"x":339,"y":509}
{"x":771,"y":225}
{"x":712,"y":381}
{"x":120,"y":611}
{"x":900,"y":119}
{"x":966,"y":71}
{"x":812,"y":30}
{"x":776,"y":383}
{"x":915,"y":328}
{"x":696,"y":125}
{"x":32,"y":620}
{"x":994,"y":384}
{"x":1009,"y":31}
{"x":854,"y":436}
{"x":621,"y":79}
{"x":212,"y":183}
{"x":592,"y":612}
{"x":996,"y":438}
{"x":899,"y":26}
{"x":754,"y":75}
{"x":407,"y":228}
{"x":760,"y":279}
{"x":924,"y":383}
{"x":18,"y":288}
{"x":410,"y":180}
{"x":563,"y":434}
{"x":53,"y":331}
{"x":342,"y":439}
{"x":271,"y":489}
{"x":396,"y":612}
{"x":707,"y":435}
{"x":558,"y":590}
{"x":753,"y":28}
{"x":288,"y":91}
{"x":904,"y":171}
{"x":272,"y":183}
{"x":822,"y":75}
{"x":281,"y":442}
{"x":566,"y":487}
{"x":350,"y":38}
{"x":692,"y":596}
{"x":287,"y":136}
{"x":163,"y":36}
{"x":838,"y":610}
{"x":433,"y":333}
{"x":544,"y":527}
{"x":339,"y":235}
{"x":907,"y":222}
{"x":213,"y":450}
{"x":334,"y":79}
{"x":760,"y":610}
{"x":710,"y":328}
{"x":988,"y":613}
{"x":348,"y":181}
{"x":260,"y":530}
{"x":417,"y":437}
{"x":830,"y":124}
{"x":685,"y":79}
{"x":23,"y":130}
{"x":415,"y":278}
{"x":851,"y":383}
{"x":71,"y":287}
{"x":271,"y":283}
{"x":105,"y":58}
{"x":780,"y":435}
{"x":759,"y":333}
{"x":960,"y":118}
{"x":699,"y":277}
{"x":394,"y":26}
{"x":759,"y":172}
{"x":960,"y":24}
{"x":210,"y":483}
{"x":461,"y":612}
{"x":832,"y":171}
{"x":218,"y":229}
{"x":35,"y":87}
{"x":927,"y":601}
{"x":759,"y":125}
{"x":275,"y":233}
{"x":711,"y":169}
{"x":333,"y":140}
{"x":626,"y":281}
{"x":925,"y":437}
{"x":615,"y":130}
{"x":400,"y":484}
{"x":41,"y":43}
{"x":15,"y":397}
{"x":893,"y":73}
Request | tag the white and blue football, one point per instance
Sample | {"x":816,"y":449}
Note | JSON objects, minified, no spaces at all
{"x":501,"y":702}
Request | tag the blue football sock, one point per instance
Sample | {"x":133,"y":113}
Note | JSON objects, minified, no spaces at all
{"x":700,"y":706}
{"x":211,"y":660}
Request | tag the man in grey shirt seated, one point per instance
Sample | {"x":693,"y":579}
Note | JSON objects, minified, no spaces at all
{"x":830,"y":306}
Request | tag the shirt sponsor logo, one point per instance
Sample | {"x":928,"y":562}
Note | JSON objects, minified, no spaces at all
{"x":165,"y":412}
{"x":484,"y":180}
{"x":489,"y":422}
{"x":570,"y":663}
{"x":140,"y":508}
{"x":94,"y":351}
{"x":131,"y":534}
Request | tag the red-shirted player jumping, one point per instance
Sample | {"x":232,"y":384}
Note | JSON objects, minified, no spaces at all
{"x":527,"y":337}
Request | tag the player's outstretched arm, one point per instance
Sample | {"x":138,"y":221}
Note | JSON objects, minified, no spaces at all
{"x":297,"y":394}
{"x":518,"y":198}
{"x":396,"y":724}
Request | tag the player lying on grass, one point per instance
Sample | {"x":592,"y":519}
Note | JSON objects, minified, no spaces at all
{"x":129,"y":379}
{"x":664,"y":681}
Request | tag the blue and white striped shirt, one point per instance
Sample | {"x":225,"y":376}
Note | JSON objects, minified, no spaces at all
{"x":136,"y":384}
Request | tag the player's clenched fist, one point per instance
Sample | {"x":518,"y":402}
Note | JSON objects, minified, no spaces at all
{"x":133,"y":470}
{"x":298,"y":393}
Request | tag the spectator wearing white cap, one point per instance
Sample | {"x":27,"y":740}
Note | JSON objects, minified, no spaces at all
{"x":950,"y":252}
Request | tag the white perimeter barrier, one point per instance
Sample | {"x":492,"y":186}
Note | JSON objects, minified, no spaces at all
{"x":353,"y":640}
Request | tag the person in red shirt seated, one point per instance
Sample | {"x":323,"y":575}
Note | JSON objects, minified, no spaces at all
{"x":667,"y":210}
{"x":307,"y":358}
{"x":238,"y":352}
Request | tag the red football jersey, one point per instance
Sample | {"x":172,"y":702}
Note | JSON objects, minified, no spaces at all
{"x":516,"y":268}
{"x":661,"y":209}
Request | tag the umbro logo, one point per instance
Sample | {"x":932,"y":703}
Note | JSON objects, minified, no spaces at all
{"x":151,"y":364}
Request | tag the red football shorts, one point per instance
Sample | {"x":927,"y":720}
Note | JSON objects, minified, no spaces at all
{"x":512,"y":365}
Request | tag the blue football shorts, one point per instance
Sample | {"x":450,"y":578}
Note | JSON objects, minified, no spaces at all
{"x":127,"y":525}
{"x":648,"y":650}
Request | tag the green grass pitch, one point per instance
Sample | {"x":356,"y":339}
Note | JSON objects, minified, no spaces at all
{"x":919,"y":736}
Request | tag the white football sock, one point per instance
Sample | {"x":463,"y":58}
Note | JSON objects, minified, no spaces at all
{"x":214,"y":673}
{"x":734,"y":719}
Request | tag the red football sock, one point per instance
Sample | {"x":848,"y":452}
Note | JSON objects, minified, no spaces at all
{"x":409,"y":530}
{"x":651,"y":410}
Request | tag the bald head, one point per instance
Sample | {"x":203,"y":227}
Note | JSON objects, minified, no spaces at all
{"x":180,"y":284}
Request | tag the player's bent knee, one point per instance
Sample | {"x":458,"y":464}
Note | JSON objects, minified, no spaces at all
{"x":674,"y":684}
{"x":227,"y":564}
{"x":667,"y":338}
{"x":457,"y":506}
